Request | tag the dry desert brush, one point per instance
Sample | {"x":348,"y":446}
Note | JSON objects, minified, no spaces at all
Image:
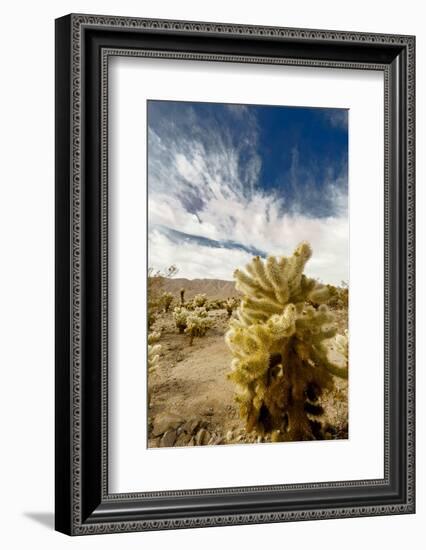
{"x":281,"y":346}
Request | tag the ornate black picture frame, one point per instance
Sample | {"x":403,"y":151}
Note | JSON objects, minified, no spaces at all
{"x":83,"y":45}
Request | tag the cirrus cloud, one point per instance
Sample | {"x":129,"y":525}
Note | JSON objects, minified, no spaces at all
{"x":209,"y":209}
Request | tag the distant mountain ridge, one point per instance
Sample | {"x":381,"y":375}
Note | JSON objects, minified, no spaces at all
{"x":215,"y":289}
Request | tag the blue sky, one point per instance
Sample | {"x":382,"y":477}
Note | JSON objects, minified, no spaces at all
{"x":226,"y":182}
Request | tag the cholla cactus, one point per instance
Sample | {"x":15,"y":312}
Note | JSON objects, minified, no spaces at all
{"x":182,"y":296}
{"x":339,"y":297}
{"x":216,"y":304}
{"x":341,"y":344}
{"x":212,"y":305}
{"x":200,"y":300}
{"x":153,"y":350}
{"x":180,"y":315}
{"x":152,"y":317}
{"x":166,"y":300}
{"x":344,"y":297}
{"x":338,"y":352}
{"x":279,"y":344}
{"x":230,"y":305}
{"x":197,"y":323}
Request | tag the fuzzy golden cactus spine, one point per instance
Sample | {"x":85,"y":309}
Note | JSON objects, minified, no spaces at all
{"x":279,"y":345}
{"x":154,"y":350}
{"x":197,"y":324}
{"x":338,"y":349}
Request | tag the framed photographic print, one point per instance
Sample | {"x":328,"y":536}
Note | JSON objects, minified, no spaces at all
{"x":234,"y":274}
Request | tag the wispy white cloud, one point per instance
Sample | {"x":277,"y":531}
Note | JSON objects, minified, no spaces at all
{"x":205,"y":185}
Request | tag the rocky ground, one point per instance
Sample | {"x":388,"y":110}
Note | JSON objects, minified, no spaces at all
{"x":192,"y":401}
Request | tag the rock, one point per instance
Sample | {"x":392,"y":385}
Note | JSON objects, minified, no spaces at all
{"x":229,"y":435}
{"x":165,"y":421}
{"x":202,"y":437}
{"x":215,"y":440}
{"x":168,"y":439}
{"x":190,"y":426}
{"x":183,"y":440}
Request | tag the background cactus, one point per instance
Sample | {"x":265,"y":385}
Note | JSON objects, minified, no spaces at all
{"x":281,"y":346}
{"x":166,"y":300}
{"x":216,"y":304}
{"x":339,"y":297}
{"x":230,"y":305}
{"x":155,"y":284}
{"x":200,"y":300}
{"x":180,"y":315}
{"x":197,"y":324}
{"x":182,"y":296}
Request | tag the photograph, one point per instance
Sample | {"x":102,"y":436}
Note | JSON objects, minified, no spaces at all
{"x":235,"y":274}
{"x":248,"y":274}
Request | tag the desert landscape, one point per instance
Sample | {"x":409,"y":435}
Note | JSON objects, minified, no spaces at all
{"x":248,"y":241}
{"x":192,"y":399}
